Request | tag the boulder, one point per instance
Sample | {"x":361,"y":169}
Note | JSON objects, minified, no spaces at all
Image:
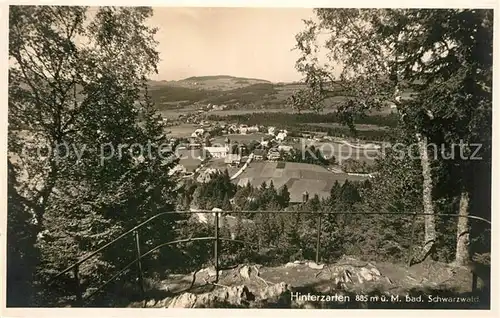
{"x":210,"y":271}
{"x":245,"y":272}
{"x":375,"y":271}
{"x":274,"y":291}
{"x":344,"y":274}
{"x":186,"y":300}
{"x":234,"y":296}
{"x":342,"y":279}
{"x":366,"y":274}
{"x":313,"y":265}
{"x":292,"y":264}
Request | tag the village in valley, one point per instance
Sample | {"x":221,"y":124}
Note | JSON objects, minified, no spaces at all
{"x":263,"y":154}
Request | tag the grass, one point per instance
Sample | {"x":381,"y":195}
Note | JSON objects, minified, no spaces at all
{"x":239,"y":138}
{"x":223,"y":89}
{"x":340,"y":151}
{"x":246,"y":94}
{"x":298,"y":177}
{"x":183,"y":130}
{"x":361,"y":127}
{"x":217,"y":163}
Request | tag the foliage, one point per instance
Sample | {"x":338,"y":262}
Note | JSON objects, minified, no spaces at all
{"x":355,"y":166}
{"x":310,"y":154}
{"x":80,"y":80}
{"x":443,"y":55}
{"x":22,"y":254}
{"x":248,"y":95}
{"x":215,"y":193}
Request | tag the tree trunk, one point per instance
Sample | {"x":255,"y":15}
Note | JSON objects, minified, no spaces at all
{"x":462,"y":255}
{"x":429,"y":218}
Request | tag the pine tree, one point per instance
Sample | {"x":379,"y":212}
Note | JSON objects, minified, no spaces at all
{"x":284,"y":196}
{"x":263,"y":186}
{"x":226,"y":204}
{"x":335,"y":191}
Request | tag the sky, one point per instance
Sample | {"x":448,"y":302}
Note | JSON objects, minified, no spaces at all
{"x":244,"y":42}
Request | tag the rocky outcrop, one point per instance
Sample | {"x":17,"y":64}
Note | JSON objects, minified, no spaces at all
{"x":350,"y":272}
{"x":234,"y":296}
{"x":274,"y":292}
{"x":311,"y":264}
{"x":289,"y":286}
{"x":244,"y":286}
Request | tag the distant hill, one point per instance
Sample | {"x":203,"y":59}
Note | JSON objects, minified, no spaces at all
{"x":236,"y":92}
{"x":216,"y":82}
{"x":224,"y":77}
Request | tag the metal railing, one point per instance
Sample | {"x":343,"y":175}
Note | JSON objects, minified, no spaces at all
{"x":216,"y":238}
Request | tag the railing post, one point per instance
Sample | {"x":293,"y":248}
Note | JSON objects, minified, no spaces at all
{"x":78,"y":290}
{"x":318,"y":238}
{"x":139,"y":264}
{"x":216,"y":247}
{"x":410,"y":251}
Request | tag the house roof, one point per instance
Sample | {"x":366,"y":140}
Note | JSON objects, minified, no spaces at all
{"x":215,"y":149}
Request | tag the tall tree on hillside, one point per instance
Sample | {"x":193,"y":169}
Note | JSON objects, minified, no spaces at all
{"x":284,"y":196}
{"x":445,"y":56}
{"x":79,"y":80}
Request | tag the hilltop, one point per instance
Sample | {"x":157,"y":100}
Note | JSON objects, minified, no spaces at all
{"x":225,"y":78}
{"x":236,"y":92}
{"x":211,"y":82}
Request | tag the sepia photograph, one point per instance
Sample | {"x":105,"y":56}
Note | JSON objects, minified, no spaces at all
{"x":248,"y":157}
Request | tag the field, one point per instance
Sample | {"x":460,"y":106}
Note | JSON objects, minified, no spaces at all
{"x":237,"y":92}
{"x":240,"y":138}
{"x":328,"y":148}
{"x":241,"y":96}
{"x":182,"y":130}
{"x":174,"y":113}
{"x":216,"y":82}
{"x":257,"y":102}
{"x":360,"y":127}
{"x":298,"y":177}
{"x":339,"y":150}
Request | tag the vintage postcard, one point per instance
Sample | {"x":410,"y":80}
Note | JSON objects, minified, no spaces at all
{"x":248,"y":157}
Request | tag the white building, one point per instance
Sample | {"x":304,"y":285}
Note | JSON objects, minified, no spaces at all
{"x":281,"y":135}
{"x":264,"y":143}
{"x":198,"y":133}
{"x":285,"y":148}
{"x":218,"y":152}
{"x":244,"y":129}
{"x":273,"y":154}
